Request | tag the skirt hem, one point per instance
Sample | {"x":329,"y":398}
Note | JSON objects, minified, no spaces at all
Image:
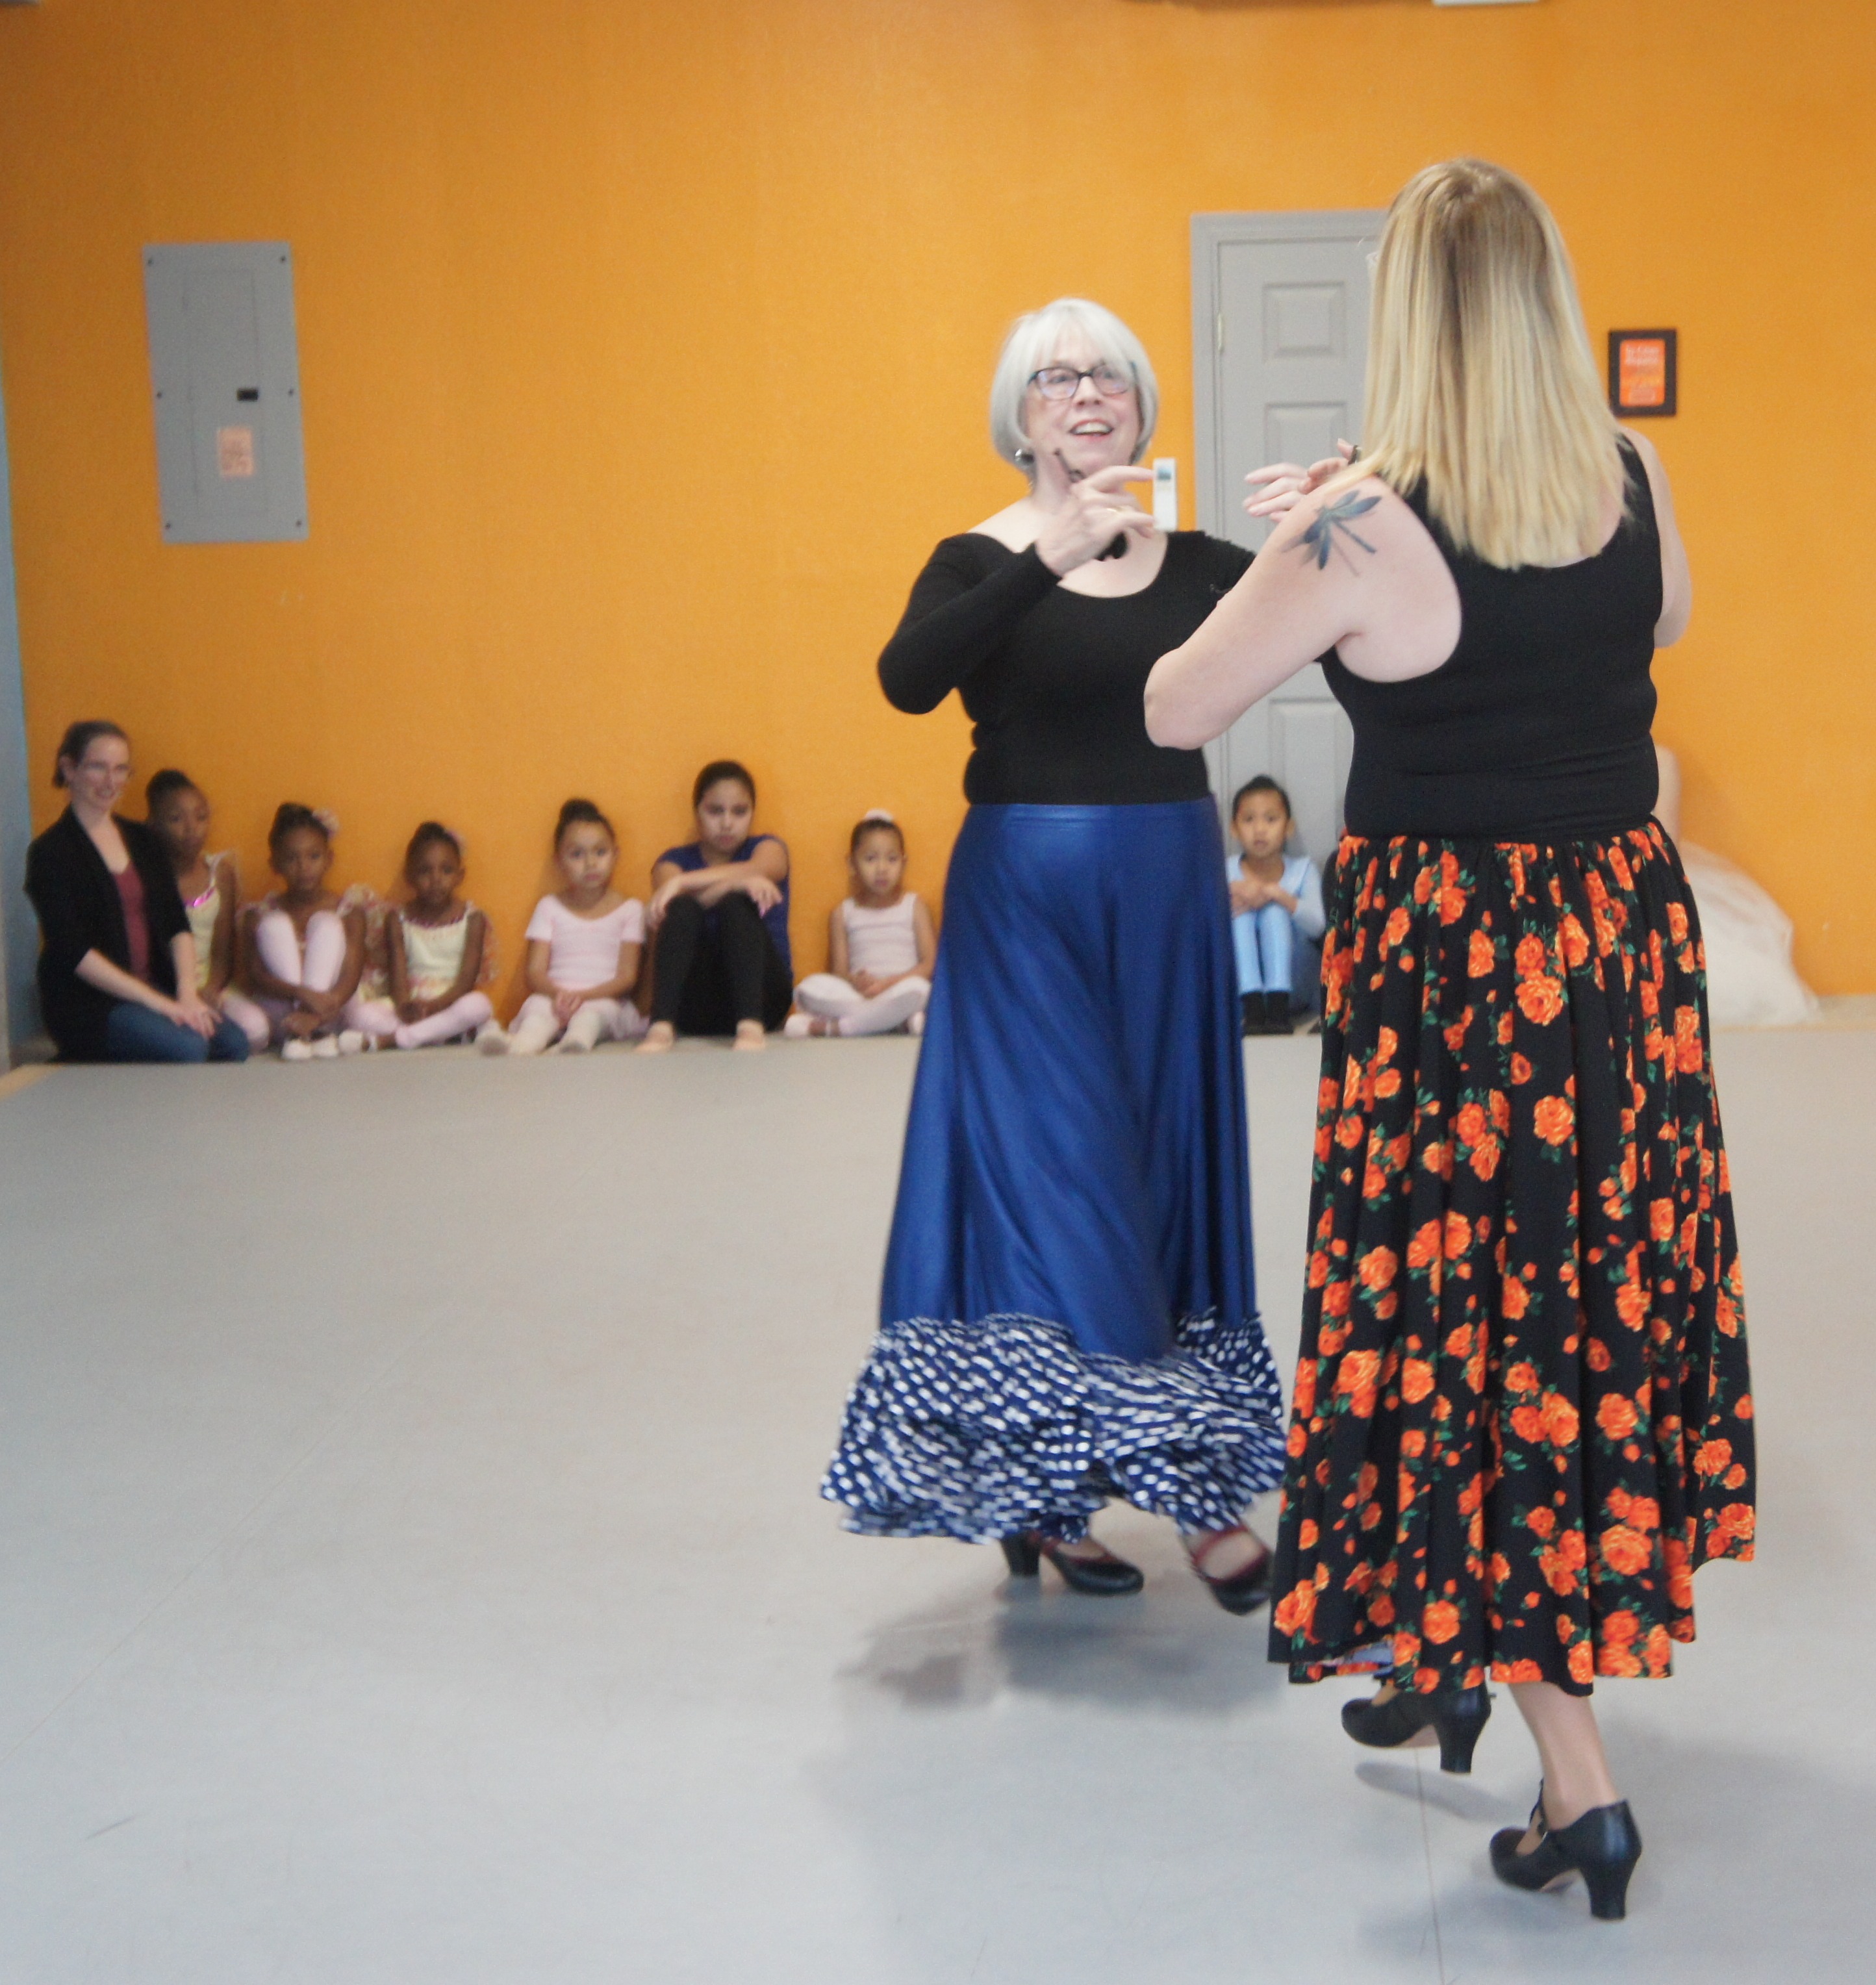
{"x":981,"y":1431}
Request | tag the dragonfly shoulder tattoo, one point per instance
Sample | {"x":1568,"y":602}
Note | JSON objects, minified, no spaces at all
{"x":1320,"y":539}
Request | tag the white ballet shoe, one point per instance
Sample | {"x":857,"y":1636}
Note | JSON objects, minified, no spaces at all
{"x":492,"y":1040}
{"x":917,"y":1024}
{"x":797,"y":1027}
{"x":351,"y":1041}
{"x":326,"y":1048}
{"x":296,"y":1049}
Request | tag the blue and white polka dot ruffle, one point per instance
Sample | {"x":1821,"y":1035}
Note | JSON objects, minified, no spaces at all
{"x":979,"y":1431}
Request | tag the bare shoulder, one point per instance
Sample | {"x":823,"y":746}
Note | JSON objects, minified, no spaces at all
{"x":1655,"y":468}
{"x":1013,"y":528}
{"x":1346,"y":531}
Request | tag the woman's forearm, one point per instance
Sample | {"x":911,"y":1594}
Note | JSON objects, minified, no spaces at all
{"x":182,"y":958}
{"x":96,"y":970}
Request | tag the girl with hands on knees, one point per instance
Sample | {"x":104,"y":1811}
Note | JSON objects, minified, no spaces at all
{"x":176,"y":811}
{"x":584,"y":945}
{"x":881,"y":946}
{"x":1276,"y":907}
{"x":304,"y":949}
{"x":719,"y":911}
{"x":117,"y":961}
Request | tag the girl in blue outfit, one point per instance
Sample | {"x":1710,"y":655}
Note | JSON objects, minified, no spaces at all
{"x":719,"y":911}
{"x":1275,"y":898}
{"x":1068,"y":1311}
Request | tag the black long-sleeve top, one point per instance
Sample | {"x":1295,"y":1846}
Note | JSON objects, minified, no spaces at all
{"x":80,"y":910}
{"x":1055,"y":681}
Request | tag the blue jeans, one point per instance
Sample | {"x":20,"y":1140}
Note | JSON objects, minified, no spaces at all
{"x":134,"y":1033}
{"x":1265,"y":940}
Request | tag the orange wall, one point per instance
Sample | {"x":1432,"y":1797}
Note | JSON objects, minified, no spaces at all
{"x":644,"y":349}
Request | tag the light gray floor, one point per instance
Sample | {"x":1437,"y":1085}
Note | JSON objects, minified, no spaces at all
{"x":410,"y":1570}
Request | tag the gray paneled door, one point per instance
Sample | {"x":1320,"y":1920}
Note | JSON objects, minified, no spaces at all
{"x":1280,"y":340}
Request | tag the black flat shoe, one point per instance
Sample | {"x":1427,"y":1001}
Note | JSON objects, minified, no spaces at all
{"x":1240,"y":1592}
{"x":1103,"y":1577}
{"x":1458,"y":1718}
{"x":1603,"y":1847}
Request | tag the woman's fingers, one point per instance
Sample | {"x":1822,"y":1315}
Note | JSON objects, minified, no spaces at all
{"x":1111,"y":480}
{"x":1275,"y":471}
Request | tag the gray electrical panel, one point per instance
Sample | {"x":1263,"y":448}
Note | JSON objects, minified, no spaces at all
{"x":225,"y":367}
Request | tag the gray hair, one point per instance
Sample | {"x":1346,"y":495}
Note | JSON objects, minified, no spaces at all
{"x":1033,"y":342}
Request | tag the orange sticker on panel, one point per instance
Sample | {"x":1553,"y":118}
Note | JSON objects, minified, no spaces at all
{"x":234,"y":453}
{"x":1643,"y":380}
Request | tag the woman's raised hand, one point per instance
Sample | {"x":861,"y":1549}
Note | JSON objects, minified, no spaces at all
{"x":1276,"y":490}
{"x":1098,"y":508}
{"x":662,"y":897}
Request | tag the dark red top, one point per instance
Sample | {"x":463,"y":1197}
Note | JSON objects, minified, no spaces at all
{"x":136,"y":924}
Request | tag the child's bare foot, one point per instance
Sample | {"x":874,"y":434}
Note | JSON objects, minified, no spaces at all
{"x":662,"y":1039}
{"x":750,"y":1037}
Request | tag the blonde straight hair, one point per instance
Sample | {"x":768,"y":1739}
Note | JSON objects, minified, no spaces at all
{"x":1480,"y":379}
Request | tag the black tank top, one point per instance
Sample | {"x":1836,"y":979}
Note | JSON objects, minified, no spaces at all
{"x":1537,"y":727}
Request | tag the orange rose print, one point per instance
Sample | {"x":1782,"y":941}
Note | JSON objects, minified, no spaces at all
{"x":1539,"y":1000}
{"x":1569,"y":1282}
{"x":1439,"y":1621}
{"x":1714,"y":1457}
{"x":1615,"y":1416}
{"x":1560,"y":1420}
{"x":1556,"y":1119}
{"x":1296,"y":1609}
{"x":1688,"y":1053}
{"x":1626,"y":1550}
{"x":1377,"y":1268}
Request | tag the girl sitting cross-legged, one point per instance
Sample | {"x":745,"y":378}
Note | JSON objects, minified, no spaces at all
{"x":438,"y":951}
{"x":881,"y":946}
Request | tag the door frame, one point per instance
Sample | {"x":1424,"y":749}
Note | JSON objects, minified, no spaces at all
{"x":1211,"y":233}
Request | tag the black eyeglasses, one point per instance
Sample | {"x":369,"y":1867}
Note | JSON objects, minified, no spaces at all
{"x":1063,"y":382}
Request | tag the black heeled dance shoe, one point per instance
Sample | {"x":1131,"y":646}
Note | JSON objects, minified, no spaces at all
{"x":1457,"y":1717}
{"x":1239,"y":1592}
{"x":1603,"y":1847}
{"x":1103,"y":1577}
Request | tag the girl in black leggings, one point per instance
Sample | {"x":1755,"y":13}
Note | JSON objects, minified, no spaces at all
{"x":719,"y":911}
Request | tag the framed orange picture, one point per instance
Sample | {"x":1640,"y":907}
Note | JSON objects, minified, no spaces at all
{"x":1642,"y":384}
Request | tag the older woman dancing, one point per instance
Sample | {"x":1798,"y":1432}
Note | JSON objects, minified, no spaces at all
{"x":1068,"y":1312}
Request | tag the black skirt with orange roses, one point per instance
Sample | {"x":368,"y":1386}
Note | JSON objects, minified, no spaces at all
{"x":1523,"y":1415}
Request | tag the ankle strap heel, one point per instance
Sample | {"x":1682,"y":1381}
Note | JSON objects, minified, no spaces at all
{"x":1603,"y":1846}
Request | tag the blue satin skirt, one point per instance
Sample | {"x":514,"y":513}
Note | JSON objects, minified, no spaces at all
{"x":1069,"y":1311}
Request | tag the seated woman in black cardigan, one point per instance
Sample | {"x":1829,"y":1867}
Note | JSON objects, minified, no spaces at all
{"x":117,"y":961}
